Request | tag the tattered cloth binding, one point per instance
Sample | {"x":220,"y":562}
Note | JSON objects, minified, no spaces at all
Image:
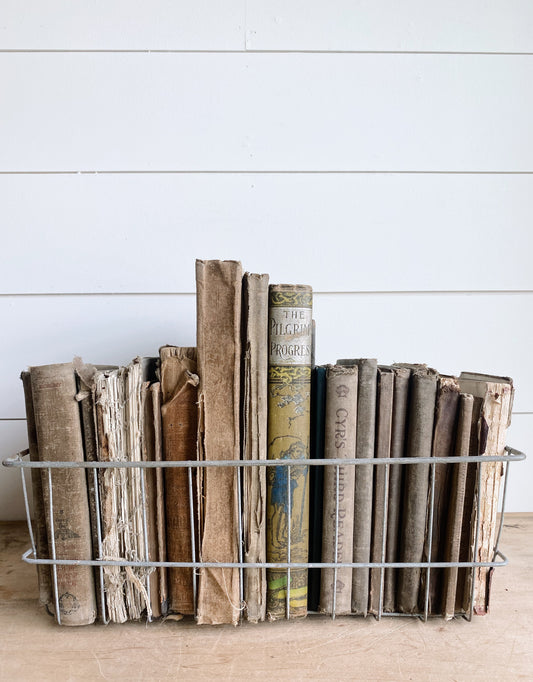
{"x":289,"y":403}
{"x":59,"y":438}
{"x":219,"y":290}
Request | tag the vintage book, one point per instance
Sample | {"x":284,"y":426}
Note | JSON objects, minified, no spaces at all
{"x":366,"y":433}
{"x":447,"y":401}
{"x":179,"y":416}
{"x":44,"y":576}
{"x":495,"y":397}
{"x":151,"y":440}
{"x":385,"y":395}
{"x":289,"y":384}
{"x":219,"y":292}
{"x":254,"y":423}
{"x":423,"y":391}
{"x":161,"y":524}
{"x":59,"y":437}
{"x":396,"y":473}
{"x":339,"y":485}
{"x":119,"y":421}
{"x":316,"y":483}
{"x":456,"y":505}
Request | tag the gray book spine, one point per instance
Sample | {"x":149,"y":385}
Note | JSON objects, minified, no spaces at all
{"x":419,"y":441}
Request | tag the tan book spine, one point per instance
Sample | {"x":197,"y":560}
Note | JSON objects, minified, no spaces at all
{"x":58,"y":429}
{"x":456,"y":505}
{"x":179,"y":416}
{"x":219,"y":291}
{"x":337,"y":529}
{"x":289,"y":405}
{"x":385,"y":392}
{"x":254,"y":418}
{"x":44,"y":576}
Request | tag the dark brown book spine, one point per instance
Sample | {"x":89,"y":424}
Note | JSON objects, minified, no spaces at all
{"x":219,"y":292}
{"x":44,"y":576}
{"x":419,"y":441}
{"x":58,"y":428}
{"x":179,"y":415}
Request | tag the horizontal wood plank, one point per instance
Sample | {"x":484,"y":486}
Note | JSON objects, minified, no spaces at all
{"x":13,"y":439}
{"x":411,"y":25}
{"x":475,"y":332}
{"x":122,"y":25}
{"x":141,"y":233}
{"x":223,"y":112}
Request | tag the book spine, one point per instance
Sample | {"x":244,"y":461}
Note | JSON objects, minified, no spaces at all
{"x":396,"y":472}
{"x":44,"y":577}
{"x":155,"y":390}
{"x":316,"y":483}
{"x":381,"y":492}
{"x":456,"y":506}
{"x":254,"y":420}
{"x":419,"y":441}
{"x":447,"y":401}
{"x":219,"y":293}
{"x":339,"y":485}
{"x":289,"y":388}
{"x":179,"y":416}
{"x":58,"y":429}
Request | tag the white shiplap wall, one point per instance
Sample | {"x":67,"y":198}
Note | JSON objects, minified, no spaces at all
{"x":380,"y":151}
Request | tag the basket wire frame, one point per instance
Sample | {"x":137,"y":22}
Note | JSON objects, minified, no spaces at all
{"x":498,"y":558}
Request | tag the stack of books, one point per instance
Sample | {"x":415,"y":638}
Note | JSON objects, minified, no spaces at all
{"x":238,"y":480}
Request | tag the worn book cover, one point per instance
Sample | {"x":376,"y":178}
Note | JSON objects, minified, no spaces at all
{"x":494,"y":396}
{"x":219,"y":298}
{"x":179,"y":416}
{"x":364,"y":476}
{"x":289,"y":387}
{"x":44,"y":575}
{"x":385,"y":396}
{"x":339,"y":483}
{"x":396,"y":474}
{"x":254,"y":423}
{"x":447,"y":401}
{"x":456,"y":505}
{"x":419,"y":444}
{"x":59,"y":435}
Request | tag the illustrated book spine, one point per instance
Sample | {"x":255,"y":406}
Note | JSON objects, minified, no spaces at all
{"x":179,"y":416}
{"x":59,"y":435}
{"x":289,"y":384}
{"x":385,"y":395}
{"x":44,"y":576}
{"x":339,"y":484}
{"x":456,"y":505}
{"x":254,"y":423}
{"x":219,"y":295}
{"x":419,"y":441}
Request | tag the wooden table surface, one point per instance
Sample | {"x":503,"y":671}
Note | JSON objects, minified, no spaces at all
{"x":495,"y":647}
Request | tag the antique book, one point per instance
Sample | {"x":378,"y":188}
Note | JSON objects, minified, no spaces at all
{"x":456,"y":505}
{"x":423,"y":391}
{"x":219,"y":292}
{"x":151,"y":441}
{"x":44,"y":576}
{"x":385,"y":395}
{"x":161,"y":524}
{"x":495,"y":397}
{"x":316,"y":483}
{"x":254,"y":447}
{"x":339,"y":485}
{"x":289,"y":384}
{"x":59,"y":437}
{"x":119,"y":422}
{"x":447,"y":401}
{"x":366,"y":433}
{"x":396,"y":474}
{"x":179,"y":416}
